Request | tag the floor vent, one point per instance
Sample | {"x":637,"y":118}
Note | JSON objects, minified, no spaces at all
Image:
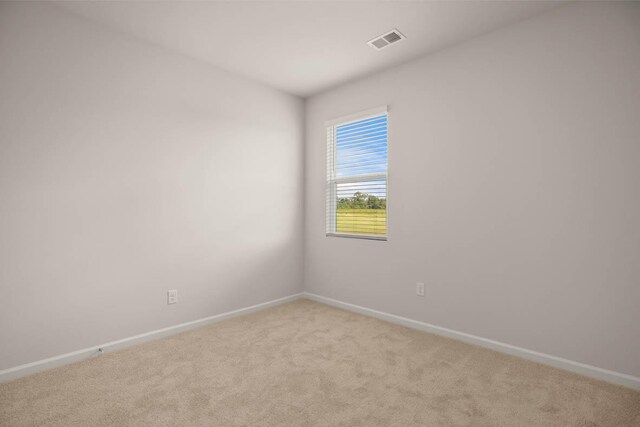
{"x":386,"y":39}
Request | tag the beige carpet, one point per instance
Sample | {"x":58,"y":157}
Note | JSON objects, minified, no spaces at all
{"x":304,"y":364}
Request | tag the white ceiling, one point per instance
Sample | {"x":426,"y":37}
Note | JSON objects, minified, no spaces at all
{"x":305,"y":47}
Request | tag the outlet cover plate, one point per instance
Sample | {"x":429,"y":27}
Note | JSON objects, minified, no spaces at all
{"x":172,"y":297}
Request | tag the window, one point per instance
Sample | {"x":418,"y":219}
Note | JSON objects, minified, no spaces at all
{"x":357,"y":176}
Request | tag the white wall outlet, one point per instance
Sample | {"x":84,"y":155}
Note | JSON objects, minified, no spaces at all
{"x":172,"y":296}
{"x":420,"y":289}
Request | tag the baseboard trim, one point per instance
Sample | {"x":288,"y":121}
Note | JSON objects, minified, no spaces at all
{"x":75,"y":356}
{"x":546,"y":359}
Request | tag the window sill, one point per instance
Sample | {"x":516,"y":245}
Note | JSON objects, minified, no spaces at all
{"x":358,"y":236}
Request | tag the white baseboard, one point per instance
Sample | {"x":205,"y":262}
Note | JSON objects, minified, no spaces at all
{"x":64,"y":359}
{"x":547,"y":359}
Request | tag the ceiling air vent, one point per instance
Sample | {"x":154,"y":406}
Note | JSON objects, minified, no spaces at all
{"x":386,"y":39}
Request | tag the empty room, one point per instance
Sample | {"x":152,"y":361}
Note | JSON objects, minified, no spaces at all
{"x":320,"y":213}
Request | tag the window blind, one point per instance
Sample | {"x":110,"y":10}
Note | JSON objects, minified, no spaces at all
{"x":357,"y":177}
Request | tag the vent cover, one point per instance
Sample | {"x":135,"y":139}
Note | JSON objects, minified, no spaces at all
{"x":386,"y":39}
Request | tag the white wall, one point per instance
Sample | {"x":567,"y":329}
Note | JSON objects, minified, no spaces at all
{"x":514,"y":166}
{"x":125,"y":171}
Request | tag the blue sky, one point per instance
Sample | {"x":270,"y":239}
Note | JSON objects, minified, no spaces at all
{"x":361,"y":147}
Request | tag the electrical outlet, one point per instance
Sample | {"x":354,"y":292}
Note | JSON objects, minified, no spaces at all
{"x":172,"y":297}
{"x":420,"y":289}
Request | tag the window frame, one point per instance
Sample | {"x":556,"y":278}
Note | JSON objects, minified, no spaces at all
{"x":331,"y":181}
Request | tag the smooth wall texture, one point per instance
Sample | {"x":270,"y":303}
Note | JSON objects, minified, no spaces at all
{"x":126,"y":171}
{"x":514,"y":163}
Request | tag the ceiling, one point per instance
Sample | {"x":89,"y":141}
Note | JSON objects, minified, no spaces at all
{"x":305,"y":47}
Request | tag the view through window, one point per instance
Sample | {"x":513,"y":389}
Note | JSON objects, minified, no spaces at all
{"x":357,"y":177}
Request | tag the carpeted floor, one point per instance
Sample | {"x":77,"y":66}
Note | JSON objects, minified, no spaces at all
{"x":305,"y":364}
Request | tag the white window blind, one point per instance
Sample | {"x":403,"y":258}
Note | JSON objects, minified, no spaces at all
{"x":357,"y":176}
